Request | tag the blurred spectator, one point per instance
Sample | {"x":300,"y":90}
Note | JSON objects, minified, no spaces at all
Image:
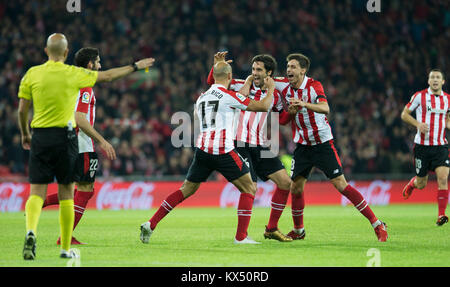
{"x":369,"y":63}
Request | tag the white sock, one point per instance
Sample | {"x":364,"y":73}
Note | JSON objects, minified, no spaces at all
{"x":299,"y":231}
{"x":376,"y":223}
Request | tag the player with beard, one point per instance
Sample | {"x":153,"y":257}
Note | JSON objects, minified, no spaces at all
{"x":251,"y":137}
{"x":87,"y":161}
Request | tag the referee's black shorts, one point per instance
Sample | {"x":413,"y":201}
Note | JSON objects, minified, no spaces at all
{"x":53,"y":155}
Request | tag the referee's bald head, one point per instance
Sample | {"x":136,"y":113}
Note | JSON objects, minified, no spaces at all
{"x":56,"y":45}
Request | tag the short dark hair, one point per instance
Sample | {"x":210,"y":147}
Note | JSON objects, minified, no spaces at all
{"x":301,"y":59}
{"x":86,"y":55}
{"x":437,"y":70}
{"x":270,"y":64}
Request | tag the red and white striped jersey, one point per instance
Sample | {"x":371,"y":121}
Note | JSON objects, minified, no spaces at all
{"x":308,"y":127}
{"x":215,"y":109}
{"x":432,"y":110}
{"x":251,"y":127}
{"x":86,"y":104}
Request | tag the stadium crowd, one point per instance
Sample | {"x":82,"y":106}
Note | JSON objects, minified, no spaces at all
{"x":369,"y":64}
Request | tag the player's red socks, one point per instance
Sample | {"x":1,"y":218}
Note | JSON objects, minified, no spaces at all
{"x":51,"y":199}
{"x":359,"y":202}
{"x":442,"y":199}
{"x":298,"y":204}
{"x":80,"y":201}
{"x":166,"y":206}
{"x":279,"y":200}
{"x":244,"y":212}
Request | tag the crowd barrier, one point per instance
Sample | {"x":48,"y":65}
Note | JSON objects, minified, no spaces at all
{"x":146,"y":195}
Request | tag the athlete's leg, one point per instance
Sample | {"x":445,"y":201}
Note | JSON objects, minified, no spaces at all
{"x":355,"y":197}
{"x":248,"y":189}
{"x":442,"y":194}
{"x":66,"y":213}
{"x":33,"y":206}
{"x":280,"y":196}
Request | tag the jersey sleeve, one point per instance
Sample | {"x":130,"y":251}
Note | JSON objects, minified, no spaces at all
{"x":25,"y":87}
{"x":210,"y":79}
{"x":236,"y":100}
{"x":414,"y":102}
{"x":281,"y":83}
{"x":277,"y":102}
{"x":84,"y":100}
{"x":236,"y":85}
{"x":84,"y":77}
{"x":318,"y":90}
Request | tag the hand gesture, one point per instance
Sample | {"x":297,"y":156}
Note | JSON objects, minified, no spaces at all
{"x":293,"y":110}
{"x":297,"y":103}
{"x":26,"y":142}
{"x":269,"y":83}
{"x":220,"y":57}
{"x":145,"y":63}
{"x":423,"y":128}
{"x":108,"y":148}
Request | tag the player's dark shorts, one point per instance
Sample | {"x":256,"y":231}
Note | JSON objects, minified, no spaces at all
{"x":428,"y":158}
{"x":323,"y":156}
{"x":230,"y":165}
{"x":86,"y":167}
{"x":53,"y":154}
{"x":262,"y":162}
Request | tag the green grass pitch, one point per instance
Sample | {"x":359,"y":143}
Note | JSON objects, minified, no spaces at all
{"x":198,"y":237}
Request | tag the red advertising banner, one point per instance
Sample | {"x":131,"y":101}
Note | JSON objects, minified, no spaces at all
{"x":145,"y":195}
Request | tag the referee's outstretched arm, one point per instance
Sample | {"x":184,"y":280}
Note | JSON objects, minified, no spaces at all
{"x":115,"y":73}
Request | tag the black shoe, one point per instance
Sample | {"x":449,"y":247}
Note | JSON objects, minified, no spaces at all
{"x":443,"y":219}
{"x":29,"y":247}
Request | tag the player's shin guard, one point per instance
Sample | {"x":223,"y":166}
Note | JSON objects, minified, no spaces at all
{"x":279,"y":200}
{"x":244,"y":212}
{"x":66,"y":219}
{"x":166,"y":206}
{"x":33,"y":209}
{"x":360,"y":203}
{"x":442,"y":199}
{"x":298,"y":204}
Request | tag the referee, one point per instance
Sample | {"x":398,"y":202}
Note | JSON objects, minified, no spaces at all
{"x":53,"y":89}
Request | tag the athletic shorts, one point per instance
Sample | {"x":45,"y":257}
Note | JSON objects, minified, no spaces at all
{"x":53,"y":155}
{"x":230,"y":165}
{"x":428,"y":158}
{"x":86,"y":167}
{"x":323,"y":156}
{"x":261,"y":161}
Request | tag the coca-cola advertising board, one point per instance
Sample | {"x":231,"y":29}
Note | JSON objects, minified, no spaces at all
{"x":146,"y":195}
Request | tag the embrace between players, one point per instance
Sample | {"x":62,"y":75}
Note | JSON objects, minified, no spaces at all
{"x":237,"y":152}
{"x":241,"y":153}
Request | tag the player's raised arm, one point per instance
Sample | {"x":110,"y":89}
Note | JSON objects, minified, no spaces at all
{"x":116,"y":73}
{"x":245,"y":89}
{"x":264,"y":104}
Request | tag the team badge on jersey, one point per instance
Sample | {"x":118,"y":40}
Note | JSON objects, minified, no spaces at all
{"x":241,"y":97}
{"x":85,"y":98}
